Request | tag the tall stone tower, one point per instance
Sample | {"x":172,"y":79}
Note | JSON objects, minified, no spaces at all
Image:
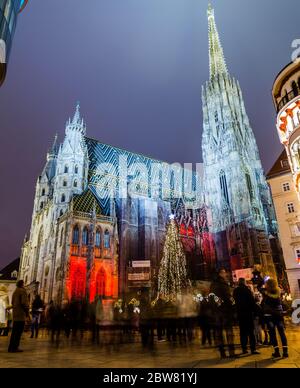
{"x":235,"y":186}
{"x":72,"y":164}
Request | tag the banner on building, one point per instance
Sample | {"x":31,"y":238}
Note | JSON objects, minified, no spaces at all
{"x":242,"y":273}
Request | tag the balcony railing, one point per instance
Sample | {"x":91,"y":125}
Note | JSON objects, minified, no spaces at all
{"x":83,"y":251}
{"x":98,"y":218}
{"x":287,"y":98}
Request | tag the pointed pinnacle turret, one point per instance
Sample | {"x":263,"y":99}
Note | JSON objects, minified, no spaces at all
{"x":77,"y":118}
{"x":217,"y":64}
{"x":77,"y":123}
{"x":54,"y":148}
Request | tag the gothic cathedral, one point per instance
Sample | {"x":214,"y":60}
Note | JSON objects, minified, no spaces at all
{"x":85,"y":242}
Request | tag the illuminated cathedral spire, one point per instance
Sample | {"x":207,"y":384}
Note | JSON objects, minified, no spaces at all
{"x":217,"y":62}
{"x":77,"y":123}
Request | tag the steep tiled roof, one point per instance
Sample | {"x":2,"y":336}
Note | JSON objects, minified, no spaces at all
{"x":6,"y":272}
{"x":280,"y":167}
{"x":86,"y":202}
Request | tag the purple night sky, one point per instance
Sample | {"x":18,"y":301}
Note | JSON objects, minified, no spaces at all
{"x":137,"y":67}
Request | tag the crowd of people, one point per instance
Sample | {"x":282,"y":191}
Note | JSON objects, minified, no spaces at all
{"x":257,"y":310}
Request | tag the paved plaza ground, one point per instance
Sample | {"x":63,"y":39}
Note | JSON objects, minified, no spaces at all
{"x":41,"y":353}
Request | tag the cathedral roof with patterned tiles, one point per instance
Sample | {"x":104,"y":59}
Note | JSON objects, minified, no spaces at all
{"x":86,"y":202}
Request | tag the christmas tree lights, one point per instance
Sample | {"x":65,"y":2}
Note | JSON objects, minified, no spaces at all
{"x":172,"y":277}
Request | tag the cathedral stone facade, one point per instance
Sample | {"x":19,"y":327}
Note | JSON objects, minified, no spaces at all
{"x":235,"y":189}
{"x":100,"y":213}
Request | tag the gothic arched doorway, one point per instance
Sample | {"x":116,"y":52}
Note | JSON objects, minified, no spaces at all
{"x":78,"y":283}
{"x":101,"y":282}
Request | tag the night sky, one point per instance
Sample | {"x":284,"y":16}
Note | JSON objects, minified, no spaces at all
{"x":137,"y":67}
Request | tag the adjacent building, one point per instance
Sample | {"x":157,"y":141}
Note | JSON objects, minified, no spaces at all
{"x":9,"y":10}
{"x":284,"y":177}
{"x":8,"y":279}
{"x":286,"y":96}
{"x":287,"y":207}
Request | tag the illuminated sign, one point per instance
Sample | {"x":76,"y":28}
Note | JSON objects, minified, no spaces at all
{"x":141,"y":264}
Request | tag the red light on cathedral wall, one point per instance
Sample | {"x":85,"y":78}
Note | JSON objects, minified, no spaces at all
{"x":190,"y":231}
{"x":101,"y":280}
{"x":182,"y":230}
{"x":76,"y":284}
{"x":186,"y":231}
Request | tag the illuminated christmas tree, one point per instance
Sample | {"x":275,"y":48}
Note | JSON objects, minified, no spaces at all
{"x":172,"y":277}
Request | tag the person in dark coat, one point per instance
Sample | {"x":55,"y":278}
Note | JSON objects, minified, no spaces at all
{"x":146,"y":321}
{"x":20,"y":306}
{"x":36,"y":311}
{"x":205,"y":318}
{"x":159,"y":317}
{"x":245,"y":307}
{"x":273,"y":314}
{"x":224,"y":313}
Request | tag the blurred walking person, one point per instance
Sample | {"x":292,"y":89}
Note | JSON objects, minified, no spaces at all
{"x":36,"y":311}
{"x":99,"y":318}
{"x":246,"y":308}
{"x":273,"y":314}
{"x":224,"y":313}
{"x":20,"y":314}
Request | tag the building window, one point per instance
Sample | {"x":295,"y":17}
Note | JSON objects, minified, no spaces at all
{"x":66,"y":169}
{"x":75,"y":238}
{"x":295,"y":88}
{"x":85,"y":236}
{"x":291,"y":208}
{"x":61,"y":213}
{"x":297,"y":251}
{"x":98,"y":238}
{"x":63,"y":198}
{"x":106,"y":239}
{"x":284,"y":163}
{"x":76,"y":169}
{"x":43,"y":192}
{"x":42,"y":205}
{"x":14,"y":274}
{"x":216,"y":117}
{"x":249,"y":185}
{"x":65,"y":183}
{"x":46,"y":271}
{"x":224,"y":188}
{"x":75,"y":184}
{"x":286,"y":187}
{"x":61,"y":236}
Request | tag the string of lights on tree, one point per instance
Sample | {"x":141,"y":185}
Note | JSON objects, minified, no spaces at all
{"x":172,"y":276}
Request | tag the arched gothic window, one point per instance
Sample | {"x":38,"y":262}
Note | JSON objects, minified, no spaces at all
{"x":43,"y":192}
{"x":106,"y":239}
{"x":61,"y":236}
{"x":65,"y":183}
{"x":75,"y":238}
{"x":249,"y":185}
{"x":76,"y":169}
{"x":66,"y":170}
{"x":75,"y":183}
{"x":224,"y":188}
{"x":85,"y":236}
{"x":63,"y":198}
{"x":98,"y":238}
